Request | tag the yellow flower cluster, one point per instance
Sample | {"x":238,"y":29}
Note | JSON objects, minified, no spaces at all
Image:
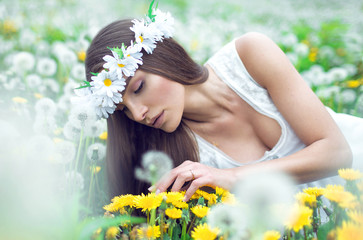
{"x":171,"y":212}
{"x":168,"y":215}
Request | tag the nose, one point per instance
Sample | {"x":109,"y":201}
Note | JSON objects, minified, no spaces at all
{"x":138,"y":112}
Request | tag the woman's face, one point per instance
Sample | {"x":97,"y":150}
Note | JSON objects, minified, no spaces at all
{"x":154,"y":101}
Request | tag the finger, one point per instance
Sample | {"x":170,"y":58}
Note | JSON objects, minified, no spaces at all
{"x":183,"y":177}
{"x":165,"y":182}
{"x":194,"y":186}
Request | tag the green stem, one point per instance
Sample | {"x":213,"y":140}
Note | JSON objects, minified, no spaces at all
{"x":79,"y":149}
{"x":84,"y":160}
{"x":191,"y":224}
{"x":90,"y":189}
{"x":152,"y":216}
{"x":184,"y":230}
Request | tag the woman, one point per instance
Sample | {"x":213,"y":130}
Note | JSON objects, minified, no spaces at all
{"x":246,"y":110}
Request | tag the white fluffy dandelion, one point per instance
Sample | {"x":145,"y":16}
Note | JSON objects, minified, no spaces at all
{"x":262,"y":195}
{"x":46,"y":66}
{"x":230,"y":219}
{"x":154,"y":165}
{"x":40,"y":148}
{"x":24,"y":62}
{"x":77,"y":71}
{"x":72,"y":131}
{"x":46,"y":106}
{"x":44,"y":124}
{"x":33,"y":80}
{"x":96,"y":152}
{"x":82,"y":115}
{"x":65,"y":152}
{"x":94,"y":129}
{"x":74,"y":181}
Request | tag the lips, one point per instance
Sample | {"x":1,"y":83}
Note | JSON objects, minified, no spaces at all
{"x":157,"y":121}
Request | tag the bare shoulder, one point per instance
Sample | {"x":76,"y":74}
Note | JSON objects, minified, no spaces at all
{"x":261,"y":56}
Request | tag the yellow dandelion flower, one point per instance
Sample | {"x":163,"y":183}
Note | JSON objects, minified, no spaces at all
{"x":19,"y":100}
{"x":300,"y":216}
{"x":339,"y":195}
{"x":95,"y":169}
{"x":118,"y":203}
{"x":353,"y":83}
{"x":317,"y":191}
{"x":271,"y":235}
{"x":196,"y":195}
{"x":9,"y":26}
{"x":149,"y":232}
{"x":38,"y":95}
{"x":306,"y":199}
{"x":148,"y":202}
{"x":111,"y":233}
{"x":81,"y":55}
{"x":356,"y":216}
{"x":349,"y":230}
{"x":172,"y":197}
{"x":313,"y":54}
{"x":360,"y":186}
{"x":350,"y":174}
{"x":173,"y":213}
{"x":103,"y":136}
{"x":204,"y":232}
{"x":200,"y":211}
{"x":181,"y":204}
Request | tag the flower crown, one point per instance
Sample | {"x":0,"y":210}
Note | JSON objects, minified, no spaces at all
{"x":104,"y":92}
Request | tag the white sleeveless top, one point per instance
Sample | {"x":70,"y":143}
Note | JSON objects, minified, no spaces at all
{"x":228,"y":66}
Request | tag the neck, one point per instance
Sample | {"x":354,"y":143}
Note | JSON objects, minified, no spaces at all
{"x":206,"y":102}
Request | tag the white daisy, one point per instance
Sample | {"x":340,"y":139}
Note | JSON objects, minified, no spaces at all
{"x":126,"y":64}
{"x":145,"y":35}
{"x":46,"y":66}
{"x":164,"y":22}
{"x":107,"y":88}
{"x":103,"y":112}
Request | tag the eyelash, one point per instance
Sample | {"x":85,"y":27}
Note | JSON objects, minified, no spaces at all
{"x":140,"y":87}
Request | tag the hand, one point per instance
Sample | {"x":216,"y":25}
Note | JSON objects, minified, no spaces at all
{"x":198,"y":175}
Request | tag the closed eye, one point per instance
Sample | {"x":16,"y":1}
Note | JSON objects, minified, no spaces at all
{"x":140,"y":87}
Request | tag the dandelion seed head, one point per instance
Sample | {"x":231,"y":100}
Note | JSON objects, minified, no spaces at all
{"x":44,"y":124}
{"x":73,"y":180}
{"x":95,"y":129}
{"x":65,"y":152}
{"x":154,"y":165}
{"x":72,"y":131}
{"x":40,"y":147}
{"x":96,"y":152}
{"x":46,"y":106}
{"x":263,"y":195}
{"x":24,"y":61}
{"x":78,"y":71}
{"x":46,"y":66}
{"x":33,"y":80}
{"x":82,"y":115}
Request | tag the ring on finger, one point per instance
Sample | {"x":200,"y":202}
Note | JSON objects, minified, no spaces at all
{"x":193,"y":176}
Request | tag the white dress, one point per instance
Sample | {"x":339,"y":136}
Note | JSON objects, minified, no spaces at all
{"x":228,"y":66}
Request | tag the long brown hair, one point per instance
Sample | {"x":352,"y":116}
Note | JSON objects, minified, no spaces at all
{"x":128,"y":140}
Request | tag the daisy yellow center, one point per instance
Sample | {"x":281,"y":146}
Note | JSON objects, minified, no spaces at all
{"x":141,"y":38}
{"x":120,"y":65}
{"x":107,"y":82}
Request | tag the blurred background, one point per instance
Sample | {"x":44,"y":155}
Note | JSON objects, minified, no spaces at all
{"x":52,"y":154}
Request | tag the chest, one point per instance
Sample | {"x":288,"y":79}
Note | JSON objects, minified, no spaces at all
{"x":242,"y":133}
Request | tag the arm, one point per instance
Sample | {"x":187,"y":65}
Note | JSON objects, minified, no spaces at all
{"x":326,"y":148}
